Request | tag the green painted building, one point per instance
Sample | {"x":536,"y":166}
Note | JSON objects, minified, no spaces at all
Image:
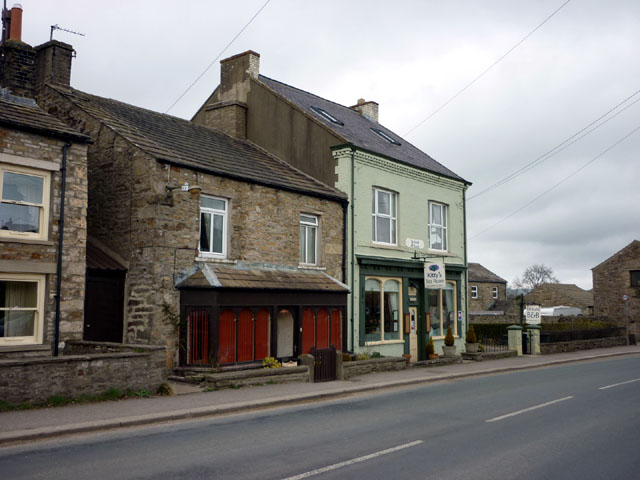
{"x":404,"y":207}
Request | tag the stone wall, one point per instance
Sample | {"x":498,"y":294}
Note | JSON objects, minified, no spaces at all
{"x":547,"y":348}
{"x":612,"y":280}
{"x":129,"y":368}
{"x":40,"y":256}
{"x":362,"y":367}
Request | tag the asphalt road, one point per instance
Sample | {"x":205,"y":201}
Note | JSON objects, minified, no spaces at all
{"x":578,"y":421}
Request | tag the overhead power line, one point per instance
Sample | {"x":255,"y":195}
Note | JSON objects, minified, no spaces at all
{"x":561,"y":146}
{"x":553,"y":187}
{"x":460,"y":92}
{"x":216,"y":59}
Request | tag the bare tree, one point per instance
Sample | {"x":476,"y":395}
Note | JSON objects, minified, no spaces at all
{"x":534,"y":276}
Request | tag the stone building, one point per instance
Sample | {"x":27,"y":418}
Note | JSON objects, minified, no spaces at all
{"x":561,"y":294}
{"x":617,"y":276}
{"x":487,"y":291}
{"x":404,"y":206}
{"x":228,"y":250}
{"x":43,"y":192}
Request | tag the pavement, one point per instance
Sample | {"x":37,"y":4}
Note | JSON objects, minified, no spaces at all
{"x":191,"y":402}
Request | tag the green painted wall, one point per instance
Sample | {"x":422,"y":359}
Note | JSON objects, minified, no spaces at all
{"x":414,"y":188}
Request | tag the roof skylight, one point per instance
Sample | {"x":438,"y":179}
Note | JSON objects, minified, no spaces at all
{"x":385,"y":136}
{"x":326,"y":115}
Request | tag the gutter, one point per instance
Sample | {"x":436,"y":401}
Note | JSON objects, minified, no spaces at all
{"x":63,"y":173}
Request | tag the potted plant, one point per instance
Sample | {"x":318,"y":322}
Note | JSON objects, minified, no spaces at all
{"x":449,"y":348}
{"x":431,"y":352}
{"x":471,"y":340}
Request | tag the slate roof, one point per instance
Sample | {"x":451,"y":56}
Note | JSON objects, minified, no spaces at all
{"x":24,"y":114}
{"x":478,"y":273}
{"x":181,"y":142}
{"x":253,"y":277}
{"x":631,"y":250}
{"x":100,"y":260}
{"x":357,"y":129}
{"x":577,"y":296}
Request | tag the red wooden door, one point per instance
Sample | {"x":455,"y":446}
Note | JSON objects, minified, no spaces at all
{"x":227,"y":337}
{"x":262,"y":334}
{"x":322,"y":335}
{"x":245,"y":336}
{"x":336,"y":329}
{"x":308,"y":330}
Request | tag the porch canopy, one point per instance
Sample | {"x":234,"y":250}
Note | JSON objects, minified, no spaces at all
{"x":243,"y":313}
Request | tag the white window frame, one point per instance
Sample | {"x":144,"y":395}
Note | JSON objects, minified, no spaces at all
{"x":43,"y":227}
{"x":308,"y":226}
{"x":495,"y":292}
{"x":474,"y":291}
{"x":392,"y":216}
{"x":383,"y":281}
{"x":38,"y":325}
{"x":213,"y":211}
{"x":444,"y":226}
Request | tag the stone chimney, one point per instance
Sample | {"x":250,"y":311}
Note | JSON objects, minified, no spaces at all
{"x":366,"y":109}
{"x":53,"y":63}
{"x":24,"y":69}
{"x":226,"y":110}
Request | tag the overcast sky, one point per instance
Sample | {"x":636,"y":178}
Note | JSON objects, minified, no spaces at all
{"x":411,"y":57}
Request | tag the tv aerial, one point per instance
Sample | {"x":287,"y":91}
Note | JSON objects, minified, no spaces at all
{"x":58,"y":27}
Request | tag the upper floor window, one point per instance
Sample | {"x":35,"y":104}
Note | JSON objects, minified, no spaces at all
{"x":474,"y":292}
{"x":326,"y":115}
{"x":21,"y":308}
{"x":438,"y":226}
{"x":384,"y":217}
{"x":24,"y":205}
{"x":386,"y":136}
{"x":308,"y":239}
{"x":213,"y":226}
{"x":635,"y":278}
{"x":495,"y":292}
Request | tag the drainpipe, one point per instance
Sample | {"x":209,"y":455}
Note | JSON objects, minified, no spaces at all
{"x":63,"y":173}
{"x":466,"y":273}
{"x":353,"y":253}
{"x":345,"y":216}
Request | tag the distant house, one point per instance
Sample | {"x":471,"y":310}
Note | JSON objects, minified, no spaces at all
{"x":43,"y":191}
{"x":487,"y":291}
{"x":404,"y":206}
{"x":561,"y":294}
{"x":617,"y":276}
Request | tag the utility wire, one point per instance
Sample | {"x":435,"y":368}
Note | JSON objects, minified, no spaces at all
{"x":561,"y":146}
{"x":216,"y":59}
{"x":486,"y":70}
{"x":559,"y":183}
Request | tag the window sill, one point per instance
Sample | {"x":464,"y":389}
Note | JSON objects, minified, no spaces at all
{"x":457,"y":337}
{"x":384,"y":342}
{"x":216,"y":260}
{"x":32,"y":241}
{"x":24,"y":347}
{"x":304,"y":266}
{"x":389,"y":246}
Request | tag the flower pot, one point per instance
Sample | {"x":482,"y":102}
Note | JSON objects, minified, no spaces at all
{"x":407,"y":357}
{"x":471,"y":347}
{"x":448,"y":351}
{"x":433,"y":356}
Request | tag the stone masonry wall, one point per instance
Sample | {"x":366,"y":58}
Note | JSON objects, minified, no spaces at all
{"x":27,"y":256}
{"x":612,"y":280}
{"x":35,"y":380}
{"x":485,"y":295}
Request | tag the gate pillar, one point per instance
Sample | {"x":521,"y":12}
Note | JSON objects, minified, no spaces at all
{"x":534,"y":338}
{"x":515,"y":338}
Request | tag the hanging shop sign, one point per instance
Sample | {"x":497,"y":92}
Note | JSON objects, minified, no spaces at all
{"x":434,"y":276}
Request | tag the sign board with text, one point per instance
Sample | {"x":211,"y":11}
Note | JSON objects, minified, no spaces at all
{"x":532,"y":315}
{"x":434,"y":276}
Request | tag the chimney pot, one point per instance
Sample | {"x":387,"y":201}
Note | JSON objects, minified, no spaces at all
{"x":15,"y":23}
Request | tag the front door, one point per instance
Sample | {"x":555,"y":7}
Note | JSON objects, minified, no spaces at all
{"x":104,"y":306}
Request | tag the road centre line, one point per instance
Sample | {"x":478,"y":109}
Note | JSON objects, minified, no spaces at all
{"x":524,"y":410}
{"x":353,"y":461}
{"x":618,"y":384}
